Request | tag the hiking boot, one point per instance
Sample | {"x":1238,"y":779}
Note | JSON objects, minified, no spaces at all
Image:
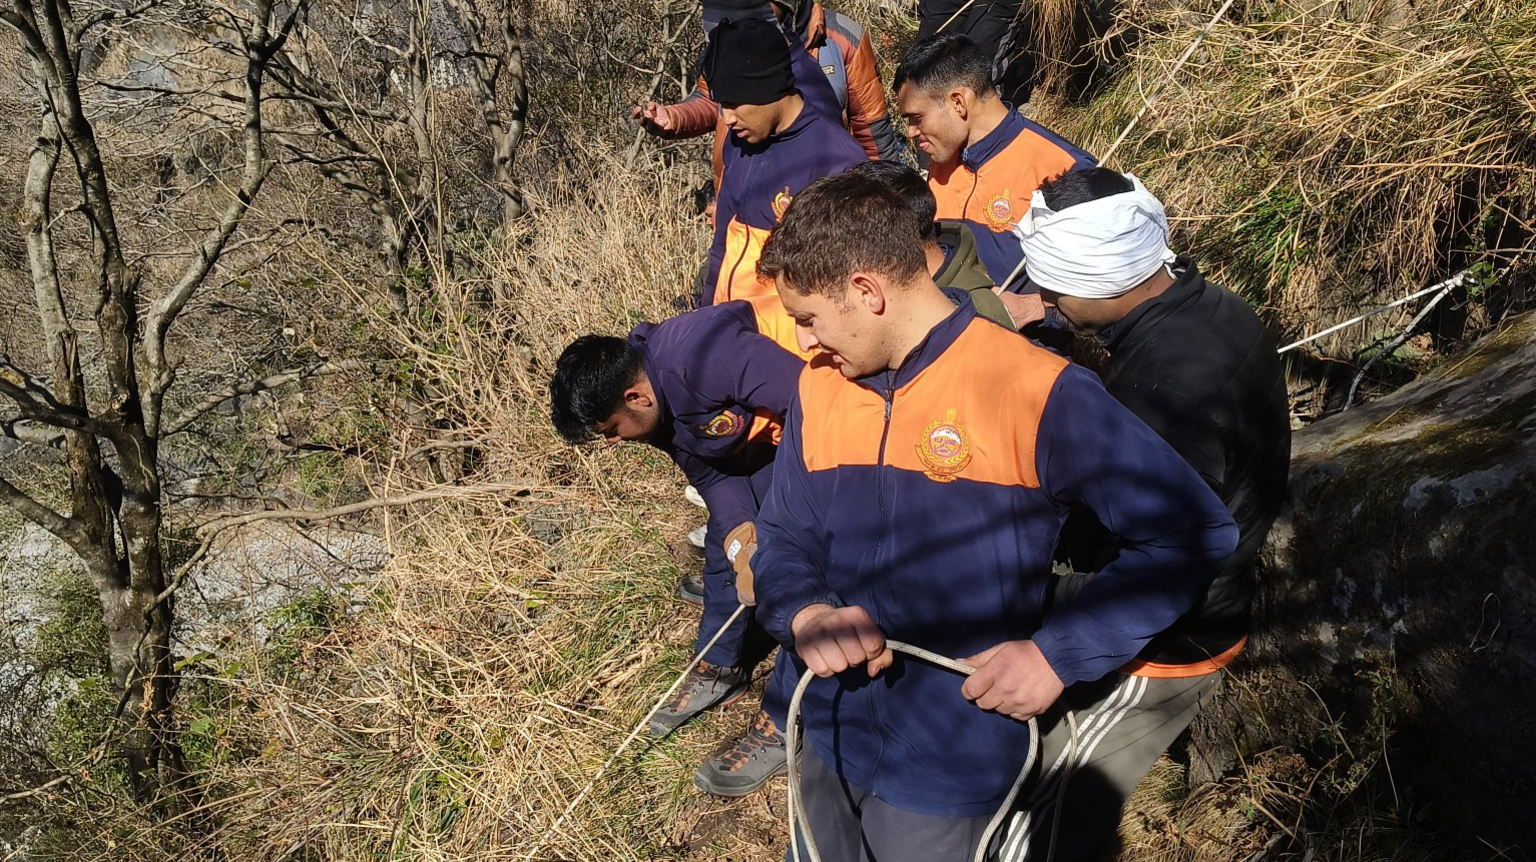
{"x":690,"y":588}
{"x":698,"y":537}
{"x":747,"y":765}
{"x":707,"y":685}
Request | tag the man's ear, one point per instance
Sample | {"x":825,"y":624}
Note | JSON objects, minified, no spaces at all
{"x":867,"y":289}
{"x":960,"y":100}
{"x":637,"y":397}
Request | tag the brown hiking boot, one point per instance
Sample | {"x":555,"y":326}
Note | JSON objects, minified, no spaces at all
{"x":707,"y":685}
{"x":748,"y":764}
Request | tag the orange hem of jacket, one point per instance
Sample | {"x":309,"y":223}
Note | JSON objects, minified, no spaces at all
{"x":1155,"y":670}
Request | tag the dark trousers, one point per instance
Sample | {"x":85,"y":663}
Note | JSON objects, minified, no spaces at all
{"x":1124,"y":723}
{"x":851,"y":825}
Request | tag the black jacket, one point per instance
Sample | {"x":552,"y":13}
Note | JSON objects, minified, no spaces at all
{"x":1197,"y":365}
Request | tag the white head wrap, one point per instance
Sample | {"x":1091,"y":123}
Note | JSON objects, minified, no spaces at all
{"x":1098,"y":249}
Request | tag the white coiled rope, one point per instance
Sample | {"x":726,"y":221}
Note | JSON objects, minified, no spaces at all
{"x":799,"y":829}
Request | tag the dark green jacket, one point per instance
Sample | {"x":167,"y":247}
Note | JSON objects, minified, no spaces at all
{"x":962,"y":269}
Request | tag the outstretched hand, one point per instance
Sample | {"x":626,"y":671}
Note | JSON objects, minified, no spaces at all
{"x":830,"y":640}
{"x":1012,"y":679}
{"x":654,"y":118}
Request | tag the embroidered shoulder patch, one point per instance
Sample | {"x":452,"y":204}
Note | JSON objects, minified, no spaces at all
{"x":944,"y":449}
{"x":726,"y":424}
{"x":999,"y":212}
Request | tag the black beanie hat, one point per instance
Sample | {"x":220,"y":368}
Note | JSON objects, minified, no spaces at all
{"x":747,"y":63}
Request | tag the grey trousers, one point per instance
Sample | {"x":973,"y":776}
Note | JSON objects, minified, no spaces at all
{"x":850,"y":825}
{"x":1124,"y":723}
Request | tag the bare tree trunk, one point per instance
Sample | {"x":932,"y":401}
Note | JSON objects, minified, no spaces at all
{"x":494,"y":65}
{"x":116,"y":516}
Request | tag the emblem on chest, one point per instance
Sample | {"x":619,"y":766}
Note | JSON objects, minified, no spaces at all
{"x":780,"y":203}
{"x":999,"y":212}
{"x":944,"y":449}
{"x":727,"y":424}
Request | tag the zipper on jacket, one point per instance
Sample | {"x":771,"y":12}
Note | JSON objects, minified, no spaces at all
{"x":730,"y":278}
{"x":889,"y":396}
{"x":873,"y":702}
{"x":965,"y":210}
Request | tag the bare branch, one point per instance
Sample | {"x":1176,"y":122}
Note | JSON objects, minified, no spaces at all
{"x":272,"y":381}
{"x":452,"y":492}
{"x":69,"y":530}
{"x":260,"y":48}
{"x":36,"y":791}
{"x":211,"y":530}
{"x":107,"y":15}
{"x":31,"y":434}
{"x":40,"y":406}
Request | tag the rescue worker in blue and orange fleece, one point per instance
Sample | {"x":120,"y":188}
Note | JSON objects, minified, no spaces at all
{"x":985,"y":158}
{"x":780,"y":140}
{"x":927,"y":463}
{"x":710,"y":391}
{"x":842,"y":52}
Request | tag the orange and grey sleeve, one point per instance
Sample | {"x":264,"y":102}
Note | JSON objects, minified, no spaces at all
{"x":868,"y":119}
{"x":694,"y":115}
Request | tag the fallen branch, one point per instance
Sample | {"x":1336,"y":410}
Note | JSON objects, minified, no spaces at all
{"x":36,"y":791}
{"x":213,"y":528}
{"x":272,"y":381}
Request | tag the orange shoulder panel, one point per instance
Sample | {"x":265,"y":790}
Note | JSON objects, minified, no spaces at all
{"x":774,"y":322}
{"x":974,"y":414}
{"x":950,"y":186}
{"x":840,"y":421}
{"x":1008,"y":180}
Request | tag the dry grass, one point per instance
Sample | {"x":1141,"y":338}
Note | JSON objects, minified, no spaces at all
{"x":1319,"y":157}
{"x":510,"y":644}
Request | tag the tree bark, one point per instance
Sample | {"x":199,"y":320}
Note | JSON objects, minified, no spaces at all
{"x":116,"y":505}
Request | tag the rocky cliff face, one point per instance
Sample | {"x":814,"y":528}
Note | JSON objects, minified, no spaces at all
{"x":1399,"y":599}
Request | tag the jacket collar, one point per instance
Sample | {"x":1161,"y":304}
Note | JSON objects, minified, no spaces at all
{"x":977,"y":154}
{"x":1187,"y":285}
{"x":927,"y":351}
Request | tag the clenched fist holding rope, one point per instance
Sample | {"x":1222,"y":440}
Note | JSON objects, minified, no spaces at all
{"x":830,"y":640}
{"x":1012,"y":679}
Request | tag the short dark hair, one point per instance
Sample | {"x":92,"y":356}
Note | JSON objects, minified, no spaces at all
{"x":837,"y":226}
{"x":913,"y":189}
{"x":942,"y":62}
{"x":1081,"y":185}
{"x":589,"y":382}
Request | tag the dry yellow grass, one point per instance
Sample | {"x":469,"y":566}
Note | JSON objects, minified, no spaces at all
{"x":1322,"y":157}
{"x":512,"y":643}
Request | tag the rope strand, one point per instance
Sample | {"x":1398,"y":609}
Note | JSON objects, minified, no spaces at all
{"x":554,"y":829}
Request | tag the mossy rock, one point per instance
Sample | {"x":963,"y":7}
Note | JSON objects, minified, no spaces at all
{"x":1397,"y":607}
